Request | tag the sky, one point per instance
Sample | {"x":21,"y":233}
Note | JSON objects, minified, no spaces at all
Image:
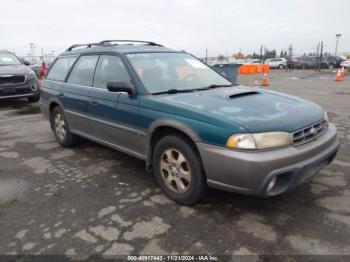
{"x":222,"y":26}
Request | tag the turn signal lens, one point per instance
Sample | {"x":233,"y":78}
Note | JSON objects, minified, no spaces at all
{"x":241,"y":141}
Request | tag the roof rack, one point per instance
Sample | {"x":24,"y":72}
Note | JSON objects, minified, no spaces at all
{"x":109,"y":42}
{"x":79,"y":45}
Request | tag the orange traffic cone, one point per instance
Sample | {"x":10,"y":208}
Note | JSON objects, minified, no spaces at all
{"x":338,"y":76}
{"x":265,"y":81}
{"x":342,"y":71}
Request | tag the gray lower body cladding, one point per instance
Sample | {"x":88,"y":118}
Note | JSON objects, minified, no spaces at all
{"x":251,"y":172}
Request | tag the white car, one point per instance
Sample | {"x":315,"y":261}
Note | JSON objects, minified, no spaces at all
{"x":276,"y":63}
{"x":345,"y":63}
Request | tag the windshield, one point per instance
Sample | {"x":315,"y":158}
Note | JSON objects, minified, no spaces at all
{"x":163,"y":71}
{"x":8,"y":59}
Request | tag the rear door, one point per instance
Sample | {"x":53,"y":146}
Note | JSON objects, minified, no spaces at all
{"x":76,"y":94}
{"x":113,"y":119}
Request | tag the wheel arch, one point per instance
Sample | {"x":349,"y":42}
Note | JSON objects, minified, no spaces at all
{"x":52,"y":104}
{"x":164,"y":127}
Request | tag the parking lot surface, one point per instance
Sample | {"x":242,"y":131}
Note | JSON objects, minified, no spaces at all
{"x":93,"y":200}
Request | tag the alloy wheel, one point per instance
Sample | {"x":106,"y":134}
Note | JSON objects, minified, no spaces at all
{"x":175,"y":171}
{"x":60,"y":126}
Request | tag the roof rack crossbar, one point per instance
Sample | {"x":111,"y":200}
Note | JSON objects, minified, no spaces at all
{"x":79,"y":45}
{"x":109,"y":42}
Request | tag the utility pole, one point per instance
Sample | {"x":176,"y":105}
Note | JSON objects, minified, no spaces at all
{"x":206,"y":55}
{"x":321,"y":56}
{"x":32,"y":47}
{"x":42,"y":54}
{"x":289,"y":56}
{"x":261,"y":49}
{"x":336,"y":44}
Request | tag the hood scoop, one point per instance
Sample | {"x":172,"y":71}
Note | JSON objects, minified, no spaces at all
{"x":242,"y":93}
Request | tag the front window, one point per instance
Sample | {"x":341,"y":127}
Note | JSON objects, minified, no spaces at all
{"x":9,"y":59}
{"x":164,"y":71}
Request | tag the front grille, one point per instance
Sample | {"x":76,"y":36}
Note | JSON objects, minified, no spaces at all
{"x":309,"y":133}
{"x":11,"y":80}
{"x":9,"y":91}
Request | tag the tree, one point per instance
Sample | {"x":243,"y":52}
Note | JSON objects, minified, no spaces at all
{"x":221,"y":57}
{"x":238,"y":55}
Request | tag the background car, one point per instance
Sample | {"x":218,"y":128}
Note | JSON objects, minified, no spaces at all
{"x":345,"y":63}
{"x":306,"y":62}
{"x":16,"y":79}
{"x":276,"y":63}
{"x":334,"y":61}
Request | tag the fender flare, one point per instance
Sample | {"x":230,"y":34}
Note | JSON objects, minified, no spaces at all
{"x":166,"y":123}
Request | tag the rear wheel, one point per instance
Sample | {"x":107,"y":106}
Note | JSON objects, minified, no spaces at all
{"x":61,"y":129}
{"x":178,"y":170}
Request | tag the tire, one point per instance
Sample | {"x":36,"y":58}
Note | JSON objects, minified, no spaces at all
{"x":178,"y":170}
{"x":330,"y":66}
{"x":61,"y":129}
{"x":33,"y":99}
{"x":281,"y":66}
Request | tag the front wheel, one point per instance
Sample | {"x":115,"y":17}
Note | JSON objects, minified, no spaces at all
{"x":178,"y":170}
{"x":61,"y":129}
{"x":281,"y":66}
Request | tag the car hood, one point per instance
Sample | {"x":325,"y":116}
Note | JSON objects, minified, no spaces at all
{"x":14,"y":70}
{"x":256,"y":110}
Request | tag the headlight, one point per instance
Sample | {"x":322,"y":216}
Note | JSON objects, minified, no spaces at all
{"x":31,"y":73}
{"x":326,"y":116}
{"x":259,"y":140}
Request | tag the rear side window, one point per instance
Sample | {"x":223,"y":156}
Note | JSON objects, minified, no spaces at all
{"x":60,"y":69}
{"x":110,"y":68}
{"x":83,"y":71}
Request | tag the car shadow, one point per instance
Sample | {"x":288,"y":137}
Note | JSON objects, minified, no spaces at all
{"x":19,"y":106}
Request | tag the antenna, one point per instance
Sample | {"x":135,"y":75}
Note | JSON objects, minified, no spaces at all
{"x":161,"y":36}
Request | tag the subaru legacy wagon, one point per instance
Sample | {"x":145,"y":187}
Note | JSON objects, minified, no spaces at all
{"x":192,"y":126}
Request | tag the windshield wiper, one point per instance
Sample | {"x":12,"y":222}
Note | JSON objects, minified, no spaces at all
{"x":173,"y":91}
{"x":215,"y":86}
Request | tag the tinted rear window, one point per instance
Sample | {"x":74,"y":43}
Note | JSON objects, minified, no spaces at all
{"x":60,"y":69}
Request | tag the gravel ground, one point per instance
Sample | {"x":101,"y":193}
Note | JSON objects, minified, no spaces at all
{"x":93,"y":200}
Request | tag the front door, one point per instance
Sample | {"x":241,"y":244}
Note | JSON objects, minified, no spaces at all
{"x":112,"y":122}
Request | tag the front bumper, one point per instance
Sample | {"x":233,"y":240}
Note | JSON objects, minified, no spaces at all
{"x":29,"y":88}
{"x":250,"y":172}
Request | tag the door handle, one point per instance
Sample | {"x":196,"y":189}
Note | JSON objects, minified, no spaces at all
{"x":93,"y":102}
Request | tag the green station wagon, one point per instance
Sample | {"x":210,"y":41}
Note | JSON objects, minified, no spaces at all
{"x":192,"y":126}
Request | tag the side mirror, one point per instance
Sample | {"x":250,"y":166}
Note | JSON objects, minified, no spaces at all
{"x":26,"y":62}
{"x":121,"y":87}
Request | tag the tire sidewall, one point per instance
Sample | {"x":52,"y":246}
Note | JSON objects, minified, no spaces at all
{"x":198,"y":180}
